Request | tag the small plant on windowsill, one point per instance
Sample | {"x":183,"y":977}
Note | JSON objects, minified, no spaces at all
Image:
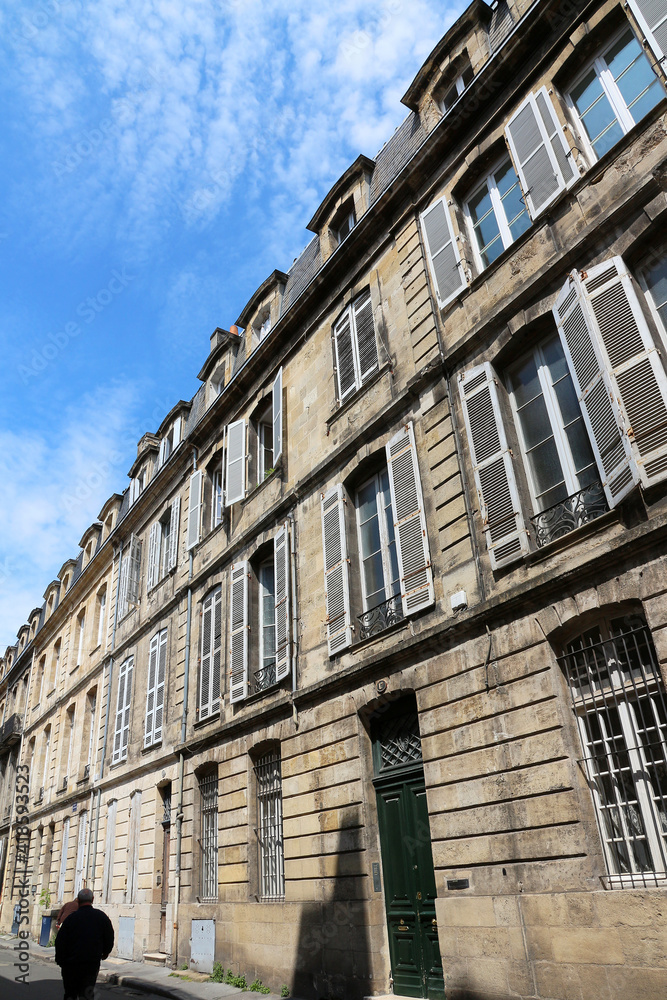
{"x":269,"y":472}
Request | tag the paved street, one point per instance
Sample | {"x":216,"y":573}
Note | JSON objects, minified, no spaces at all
{"x":46,"y":984}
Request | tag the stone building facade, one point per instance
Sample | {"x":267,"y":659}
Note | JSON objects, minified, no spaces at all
{"x":360,"y":684}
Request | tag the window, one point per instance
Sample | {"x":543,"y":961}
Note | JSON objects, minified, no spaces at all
{"x":393,"y":551}
{"x":88,"y":743}
{"x":64,"y":846}
{"x":123,"y":703}
{"x":109,"y":851}
{"x":55,"y":662}
{"x":68,"y":748}
{"x":260,"y":605}
{"x":655,"y":280}
{"x":101,"y":615}
{"x":170,"y":442}
{"x":208,"y":797}
{"x":265,"y":444}
{"x":81,"y":852}
{"x":157,"y":664}
{"x":497,"y":213}
{"x":216,"y":498}
{"x":47,"y":756}
{"x":356,"y":351}
{"x":617,"y":696}
{"x":81,"y":630}
{"x":208,"y":699}
{"x":163,"y":544}
{"x":138,"y":485}
{"x":218,"y":381}
{"x":562,"y":472}
{"x":615,"y":92}
{"x":271,"y":436}
{"x":270,"y":826}
{"x":134,"y":833}
{"x":455,"y":89}
{"x":40,"y":681}
{"x":345,"y":226}
{"x":130,"y":576}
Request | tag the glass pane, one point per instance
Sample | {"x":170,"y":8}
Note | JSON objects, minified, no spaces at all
{"x":525,"y":382}
{"x":646,"y":100}
{"x":535,"y":422}
{"x":487,"y":230}
{"x":555,"y":359}
{"x":582,"y":453}
{"x":492,"y":251}
{"x":545,"y":467}
{"x":567,"y":399}
{"x":370,"y":537}
{"x":657,"y":285}
{"x":374,"y":580}
{"x":480,"y":205}
{"x":587,"y":92}
{"x":367,"y":501}
{"x":596,"y":113}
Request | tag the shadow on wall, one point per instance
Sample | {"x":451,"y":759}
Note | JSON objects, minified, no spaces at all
{"x":333,"y":955}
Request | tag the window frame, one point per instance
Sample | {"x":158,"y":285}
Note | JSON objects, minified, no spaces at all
{"x":498,"y":211}
{"x":349,"y":315}
{"x":208,"y":840}
{"x":385,"y":543}
{"x":659,"y":257}
{"x":270,"y":826}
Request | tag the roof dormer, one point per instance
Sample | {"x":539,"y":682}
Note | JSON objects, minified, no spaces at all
{"x":145,"y":463}
{"x":451,"y":66}
{"x":33,"y":621}
{"x":65,"y":576}
{"x":217,"y":369}
{"x":108,"y":516}
{"x":23,"y":635}
{"x":52,"y":597}
{"x":262,"y":311}
{"x":343,"y":206}
{"x":172,"y":431}
{"x":90,"y":542}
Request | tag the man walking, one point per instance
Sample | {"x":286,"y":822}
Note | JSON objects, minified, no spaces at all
{"x":85,"y":938}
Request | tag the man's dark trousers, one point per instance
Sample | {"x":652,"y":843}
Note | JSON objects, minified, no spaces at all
{"x":79,"y":980}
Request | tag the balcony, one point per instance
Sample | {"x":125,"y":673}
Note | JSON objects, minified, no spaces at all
{"x":11,"y":731}
{"x":564,"y":517}
{"x":381,"y":617}
{"x":264,"y":678}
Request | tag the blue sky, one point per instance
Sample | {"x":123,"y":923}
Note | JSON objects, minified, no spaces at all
{"x":158,"y":159}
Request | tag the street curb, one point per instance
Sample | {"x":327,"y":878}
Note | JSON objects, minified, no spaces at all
{"x":144,"y":986}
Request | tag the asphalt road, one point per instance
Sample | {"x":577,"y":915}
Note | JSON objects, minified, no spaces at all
{"x":45,"y":983}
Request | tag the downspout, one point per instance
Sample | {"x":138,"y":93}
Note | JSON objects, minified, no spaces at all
{"x":184,"y":730}
{"x":106,"y":713}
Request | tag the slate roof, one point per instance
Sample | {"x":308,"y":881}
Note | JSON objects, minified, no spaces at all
{"x":304,"y":268}
{"x":395,"y":154}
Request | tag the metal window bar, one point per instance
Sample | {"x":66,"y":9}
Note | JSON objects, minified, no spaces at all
{"x":619,"y":701}
{"x":208,"y":787}
{"x":569,"y":514}
{"x":381,"y":617}
{"x":166,"y":802}
{"x":270,"y":826}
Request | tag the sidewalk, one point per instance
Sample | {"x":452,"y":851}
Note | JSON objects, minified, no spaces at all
{"x":149,"y":978}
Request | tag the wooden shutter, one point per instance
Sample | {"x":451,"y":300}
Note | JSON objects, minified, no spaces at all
{"x":346,"y":376}
{"x":443,"y":252}
{"x":162,"y":455}
{"x":124,"y":580}
{"x":210,"y":663}
{"x":194,"y":509}
{"x":535,"y":139}
{"x":122,"y":729}
{"x":618,"y":375}
{"x":63,"y":858}
{"x":154,"y":555}
{"x":412,"y":550}
{"x":277,"y":397}
{"x":176,"y":433}
{"x":336,"y":571}
{"x":174,"y":522}
{"x":367,"y":351}
{"x":500,"y":507}
{"x":80,"y":852}
{"x":652,"y":16}
{"x":159,"y":687}
{"x":238,"y":687}
{"x":134,"y":490}
{"x":235,"y":477}
{"x":281,"y":561}
{"x":134,"y":581}
{"x":157,"y":662}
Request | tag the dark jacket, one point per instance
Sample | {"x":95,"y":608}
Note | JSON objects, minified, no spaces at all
{"x":85,"y":938}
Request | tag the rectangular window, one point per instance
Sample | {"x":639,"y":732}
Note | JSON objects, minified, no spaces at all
{"x":270,"y":826}
{"x":157,"y":664}
{"x":655,"y":278}
{"x":123,"y":704}
{"x":355,"y":346}
{"x":134,"y":836}
{"x":208,"y":700}
{"x":64,"y":847}
{"x":497,"y":213}
{"x":130,"y":576}
{"x":109,"y":851}
{"x":81,"y":853}
{"x":617,"y":695}
{"x":163,"y":544}
{"x":380,"y":579}
{"x":615,"y":92}
{"x":101,"y":615}
{"x":208,"y":790}
{"x":267,"y":609}
{"x":217,"y":500}
{"x":81,"y":625}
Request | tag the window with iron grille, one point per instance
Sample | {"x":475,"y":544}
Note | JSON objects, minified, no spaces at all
{"x":619,"y":702}
{"x":270,"y":826}
{"x":208,"y":788}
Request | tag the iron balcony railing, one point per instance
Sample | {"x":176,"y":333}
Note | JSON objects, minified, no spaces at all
{"x":571,"y":513}
{"x":382,"y":616}
{"x":264,"y":678}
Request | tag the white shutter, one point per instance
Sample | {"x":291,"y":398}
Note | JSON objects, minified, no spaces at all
{"x":134,"y":490}
{"x":367,"y":351}
{"x":539,"y":152}
{"x":345,"y":367}
{"x":125,"y":561}
{"x":63,"y":858}
{"x":500,"y":507}
{"x":150,"y":690}
{"x":122,"y":729}
{"x":235,"y":477}
{"x":204,"y":693}
{"x":80,"y":852}
{"x":173,"y":533}
{"x":443,"y":251}
{"x":281,"y":562}
{"x":336,"y":571}
{"x":162,"y":455}
{"x":154,"y":555}
{"x":238,"y":687}
{"x":414,"y":561}
{"x":618,"y":375}
{"x":277,"y":397}
{"x":652,"y":16}
{"x":194,"y":509}
{"x":216,"y":650}
{"x":176,"y":433}
{"x":159,"y":687}
{"x":134,"y":580}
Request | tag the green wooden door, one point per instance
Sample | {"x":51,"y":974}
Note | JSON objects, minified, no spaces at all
{"x":409,"y":886}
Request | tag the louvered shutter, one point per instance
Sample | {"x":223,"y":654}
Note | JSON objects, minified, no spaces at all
{"x":204,"y":700}
{"x":283,"y":619}
{"x":150,"y":689}
{"x":618,"y":374}
{"x":345,"y":367}
{"x":336,"y":571}
{"x":134,"y":490}
{"x":277,"y":397}
{"x":174,"y":522}
{"x":235,"y":478}
{"x":412,"y":550}
{"x":367,"y":351}
{"x":216,"y":650}
{"x":652,"y":16}
{"x":500,"y":507}
{"x":194,"y":509}
{"x":134,"y":581}
{"x":125,"y":561}
{"x":238,"y":687}
{"x":443,"y":251}
{"x":162,"y":455}
{"x":539,"y":152}
{"x":154,"y":555}
{"x":176,"y":433}
{"x":121,"y":731}
{"x":159,"y":687}
{"x":125,"y":734}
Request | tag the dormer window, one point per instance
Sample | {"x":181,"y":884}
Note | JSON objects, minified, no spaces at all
{"x":262,"y":325}
{"x":346,"y":226}
{"x":343,"y":221}
{"x":170,"y":442}
{"x":138,"y":485}
{"x":456,"y":88}
{"x":218,"y":382}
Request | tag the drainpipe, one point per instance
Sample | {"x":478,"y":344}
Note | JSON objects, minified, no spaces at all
{"x":106,"y":713}
{"x":181,"y":755}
